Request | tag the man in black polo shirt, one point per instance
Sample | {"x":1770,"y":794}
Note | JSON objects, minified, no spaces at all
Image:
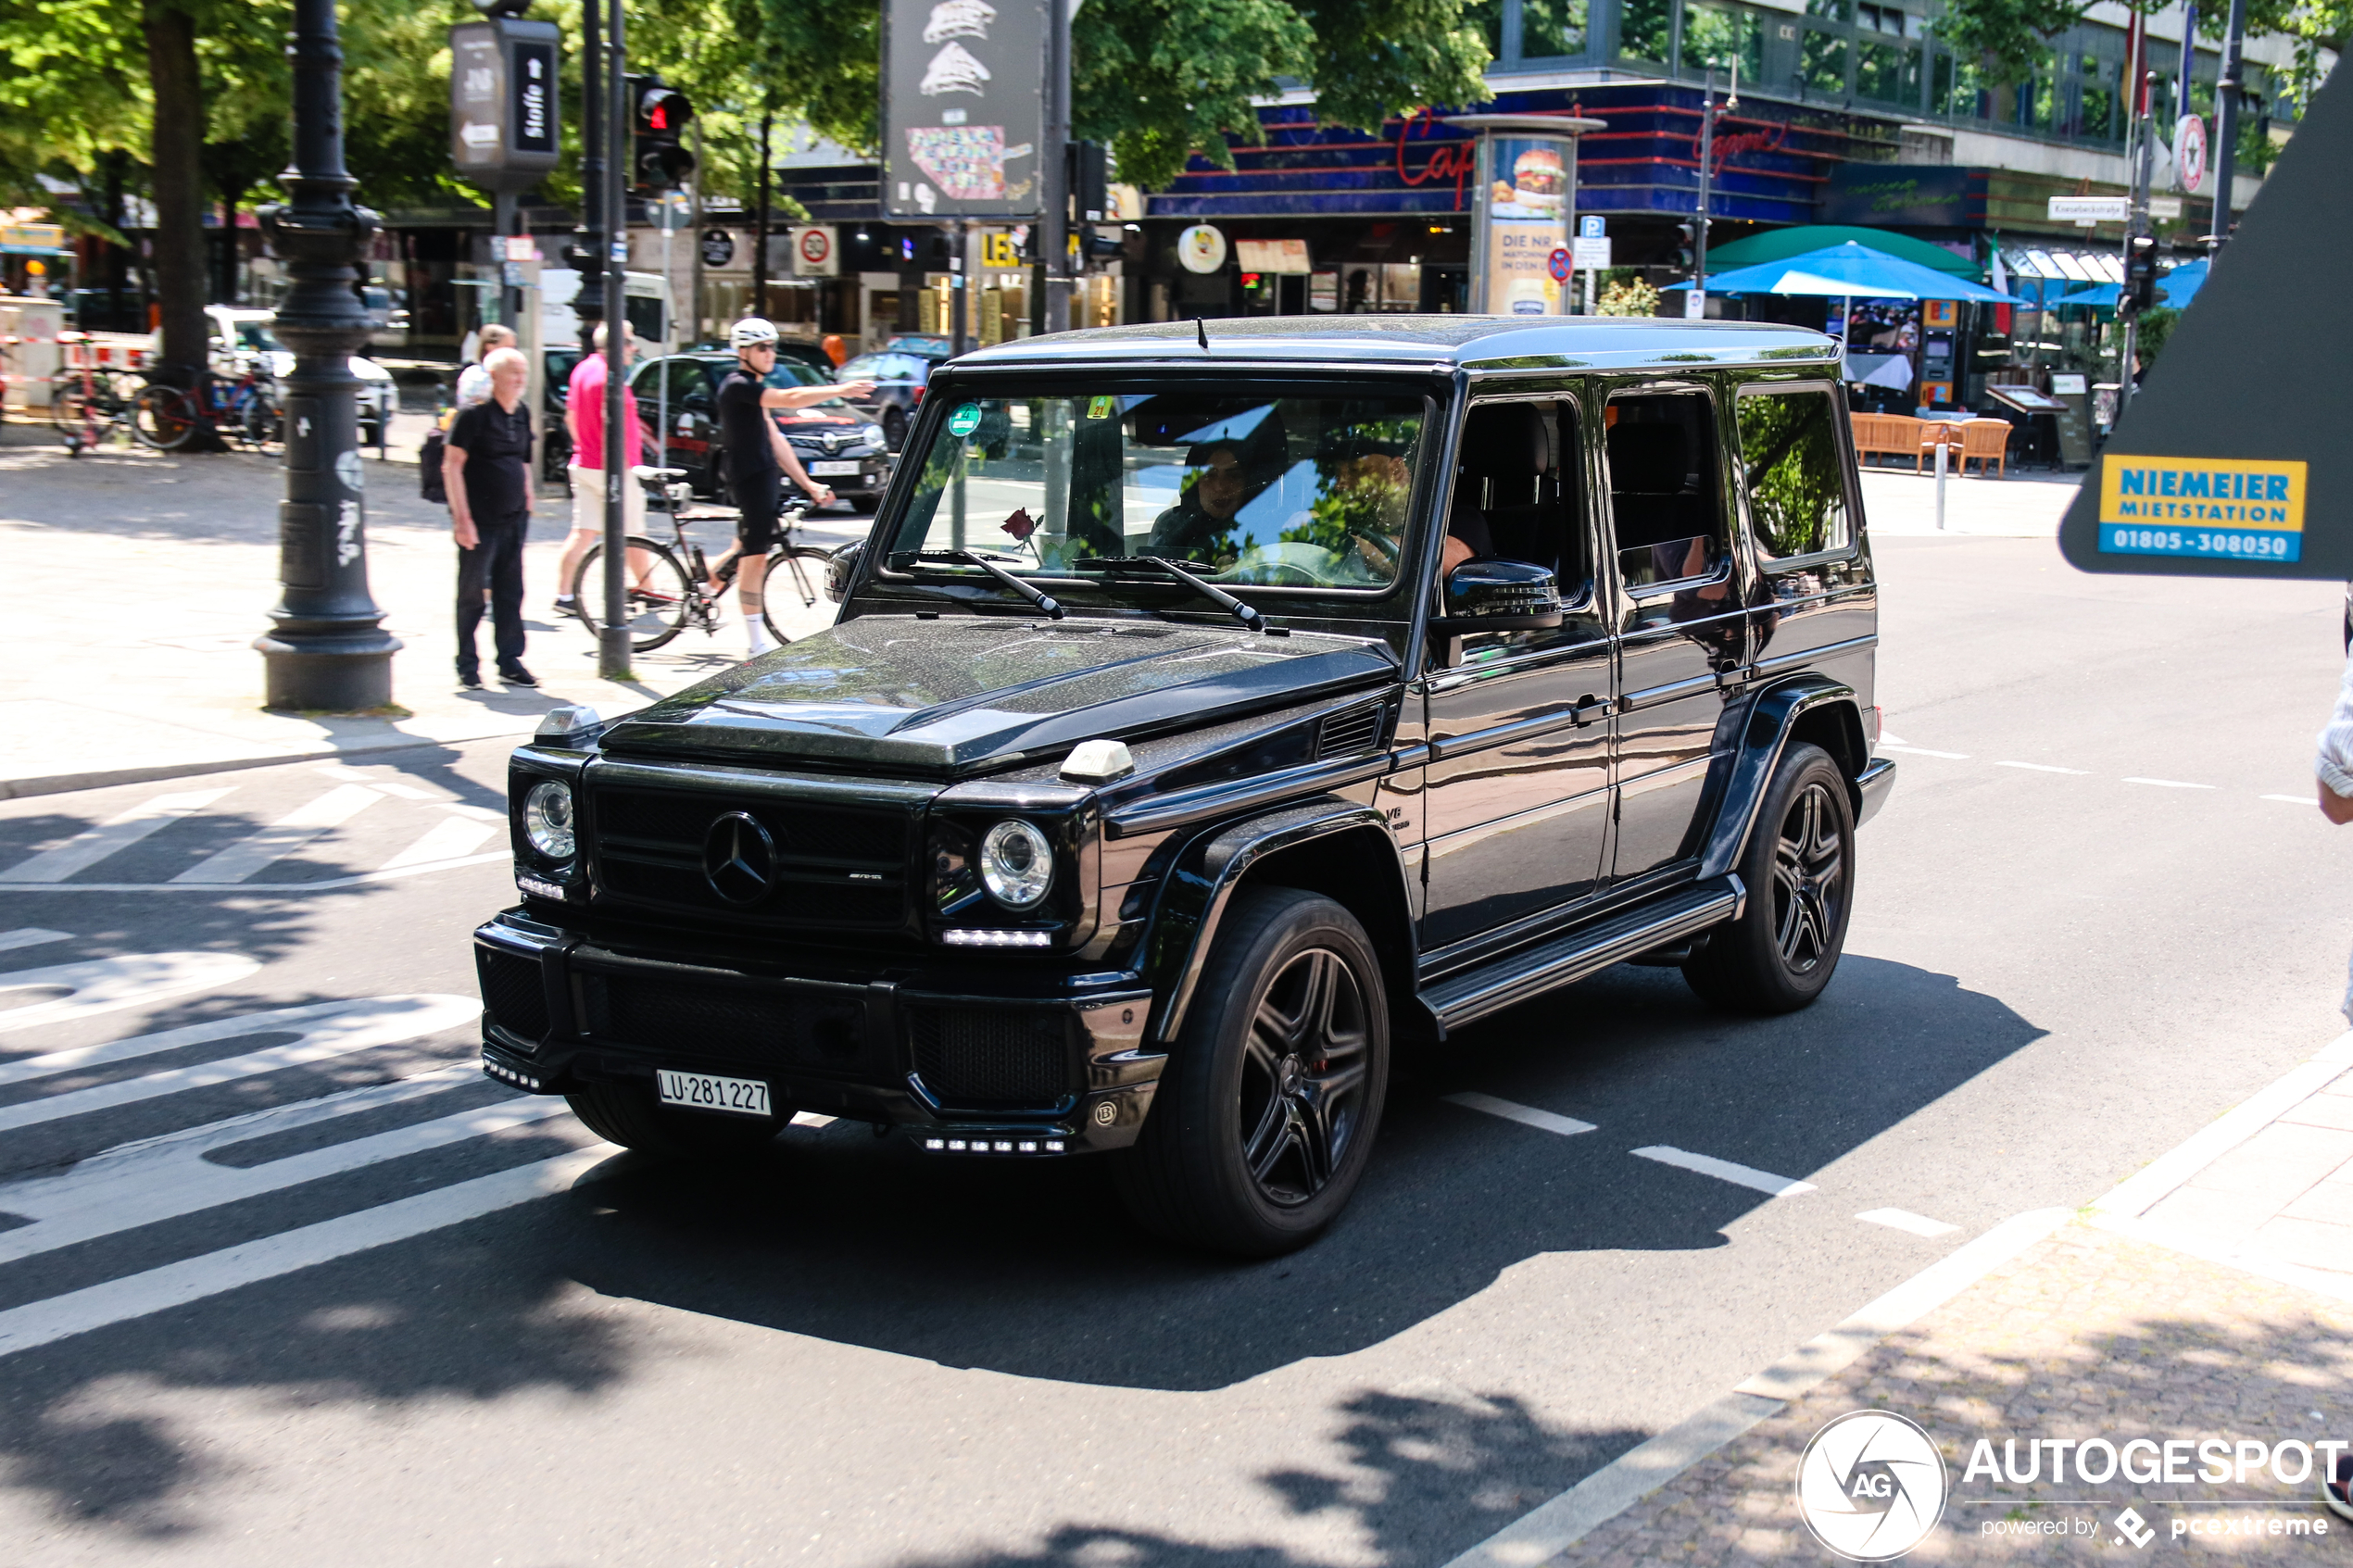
{"x":487,"y":469}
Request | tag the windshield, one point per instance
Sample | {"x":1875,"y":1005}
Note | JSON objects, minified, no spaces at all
{"x":258,"y":335}
{"x":1287,"y":492}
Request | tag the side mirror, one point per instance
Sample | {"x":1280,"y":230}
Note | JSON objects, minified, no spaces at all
{"x":1499,"y":595}
{"x":840,"y":567}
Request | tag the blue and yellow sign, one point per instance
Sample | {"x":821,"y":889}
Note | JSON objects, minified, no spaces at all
{"x":2230,"y":508}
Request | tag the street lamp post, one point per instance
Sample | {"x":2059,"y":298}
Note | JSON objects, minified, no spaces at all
{"x":328,"y":649}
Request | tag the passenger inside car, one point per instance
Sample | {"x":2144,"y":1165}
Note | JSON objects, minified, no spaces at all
{"x":1202,"y":520}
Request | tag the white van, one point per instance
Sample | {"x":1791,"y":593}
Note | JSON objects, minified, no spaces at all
{"x":646,"y":297}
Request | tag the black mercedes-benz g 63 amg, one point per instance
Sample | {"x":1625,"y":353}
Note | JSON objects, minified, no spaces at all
{"x":1210,"y":710}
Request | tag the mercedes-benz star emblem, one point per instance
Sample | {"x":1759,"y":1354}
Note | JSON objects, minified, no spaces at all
{"x":739,"y":858}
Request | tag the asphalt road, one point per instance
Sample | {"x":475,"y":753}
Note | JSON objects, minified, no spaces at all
{"x":468,"y":1334}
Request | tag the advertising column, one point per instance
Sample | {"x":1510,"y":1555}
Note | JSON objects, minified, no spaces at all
{"x":1527,"y":204}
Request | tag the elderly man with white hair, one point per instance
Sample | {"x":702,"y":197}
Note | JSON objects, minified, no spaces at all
{"x":486,"y":469}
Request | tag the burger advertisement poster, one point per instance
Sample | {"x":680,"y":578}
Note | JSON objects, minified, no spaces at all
{"x":962,"y":112}
{"x":1528,"y":210}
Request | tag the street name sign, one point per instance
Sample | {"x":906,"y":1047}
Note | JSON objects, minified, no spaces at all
{"x":962,"y":108}
{"x":2232,"y":460}
{"x":2091,"y":209}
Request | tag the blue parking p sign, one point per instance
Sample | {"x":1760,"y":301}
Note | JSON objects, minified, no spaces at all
{"x":1592,"y":227}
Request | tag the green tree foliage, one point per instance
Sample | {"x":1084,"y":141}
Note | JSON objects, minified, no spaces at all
{"x":1796,"y":484}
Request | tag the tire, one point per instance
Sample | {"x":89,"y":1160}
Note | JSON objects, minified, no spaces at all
{"x":162,"y":417}
{"x":629,"y":1115}
{"x":1799,"y":869}
{"x":1253,"y":1145}
{"x":894,"y":423}
{"x":802,"y":570}
{"x":71,"y":403}
{"x":658,"y":612}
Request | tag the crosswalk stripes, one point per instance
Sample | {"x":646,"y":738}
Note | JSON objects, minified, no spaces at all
{"x":452,"y":834}
{"x":129,"y":980}
{"x":88,"y":847}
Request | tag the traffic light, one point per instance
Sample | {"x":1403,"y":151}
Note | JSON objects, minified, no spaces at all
{"x":659,"y":159}
{"x":2139,"y":293}
{"x":1686,"y":246}
{"x":1089,"y":170}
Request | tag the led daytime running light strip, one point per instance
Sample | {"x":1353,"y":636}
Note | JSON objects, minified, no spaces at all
{"x":969,"y":937}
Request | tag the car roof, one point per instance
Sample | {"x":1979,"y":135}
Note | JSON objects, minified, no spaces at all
{"x":1478,"y":343}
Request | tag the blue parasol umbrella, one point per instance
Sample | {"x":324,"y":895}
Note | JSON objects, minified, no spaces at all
{"x":2174,"y":290}
{"x":1851,"y":272}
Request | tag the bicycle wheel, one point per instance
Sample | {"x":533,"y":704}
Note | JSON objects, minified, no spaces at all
{"x":800,"y":569}
{"x":71,"y":402}
{"x":259,"y":418}
{"x":162,"y":417}
{"x":658,"y":608}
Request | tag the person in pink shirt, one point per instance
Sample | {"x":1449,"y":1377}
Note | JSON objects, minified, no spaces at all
{"x":585,"y":417}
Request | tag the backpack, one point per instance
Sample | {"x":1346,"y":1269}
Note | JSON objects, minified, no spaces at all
{"x":431,"y":481}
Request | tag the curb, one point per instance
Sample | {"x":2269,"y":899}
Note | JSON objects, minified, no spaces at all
{"x":1552,"y":1527}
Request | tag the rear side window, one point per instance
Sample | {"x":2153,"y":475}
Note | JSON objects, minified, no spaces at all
{"x":1796,"y":478}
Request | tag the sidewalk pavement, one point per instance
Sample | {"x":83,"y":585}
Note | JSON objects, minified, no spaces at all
{"x":2209,"y":1296}
{"x":141,"y":578}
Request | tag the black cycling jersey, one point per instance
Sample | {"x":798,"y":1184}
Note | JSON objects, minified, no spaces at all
{"x":744,"y":426}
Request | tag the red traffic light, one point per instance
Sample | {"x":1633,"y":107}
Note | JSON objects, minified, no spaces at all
{"x":663,"y":111}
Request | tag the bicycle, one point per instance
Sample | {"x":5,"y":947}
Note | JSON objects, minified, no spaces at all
{"x":246,"y":408}
{"x":671,"y":594}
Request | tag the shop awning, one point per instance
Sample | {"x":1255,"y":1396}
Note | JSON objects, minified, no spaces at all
{"x":1852,"y":271}
{"x":1779,"y":245}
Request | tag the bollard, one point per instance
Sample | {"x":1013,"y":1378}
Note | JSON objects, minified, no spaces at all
{"x":1941,"y":459}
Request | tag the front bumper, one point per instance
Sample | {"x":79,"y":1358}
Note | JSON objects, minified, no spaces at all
{"x":977,"y":1058}
{"x":1871,"y":788}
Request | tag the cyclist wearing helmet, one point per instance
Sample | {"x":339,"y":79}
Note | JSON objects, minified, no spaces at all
{"x":758,"y":460}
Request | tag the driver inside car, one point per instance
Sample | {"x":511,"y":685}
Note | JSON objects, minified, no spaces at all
{"x":1200,"y":526}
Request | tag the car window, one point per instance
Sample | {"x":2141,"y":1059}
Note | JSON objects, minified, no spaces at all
{"x":1666,"y":511}
{"x":1520,"y":479}
{"x":1794,"y":472}
{"x":1308,"y":491}
{"x":865,"y":366}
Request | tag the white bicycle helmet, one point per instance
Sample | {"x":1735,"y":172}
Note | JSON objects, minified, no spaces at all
{"x":752,"y":332}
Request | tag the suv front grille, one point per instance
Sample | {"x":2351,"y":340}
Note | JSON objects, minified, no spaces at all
{"x":512,"y":992}
{"x":836,"y":868}
{"x":992,"y":1059}
{"x":698,"y":1018}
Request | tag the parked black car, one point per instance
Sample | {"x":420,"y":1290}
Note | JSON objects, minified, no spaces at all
{"x":900,"y":370}
{"x":840,"y":448}
{"x":1202,"y":720}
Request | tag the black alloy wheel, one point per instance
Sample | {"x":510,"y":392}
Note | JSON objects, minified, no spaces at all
{"x":1264,"y":1121}
{"x":894,"y":423}
{"x":1799,"y":870}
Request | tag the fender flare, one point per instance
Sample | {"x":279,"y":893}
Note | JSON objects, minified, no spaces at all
{"x":1764,"y":736}
{"x":1194,"y":894}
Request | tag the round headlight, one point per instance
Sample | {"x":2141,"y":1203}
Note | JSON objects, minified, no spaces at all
{"x":547,"y":820}
{"x":875,"y":435}
{"x":1016,"y":864}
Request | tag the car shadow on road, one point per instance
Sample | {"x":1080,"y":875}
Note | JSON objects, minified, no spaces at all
{"x":1035,"y":1269}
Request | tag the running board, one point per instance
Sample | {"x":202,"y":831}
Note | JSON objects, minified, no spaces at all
{"x":1514,"y":977}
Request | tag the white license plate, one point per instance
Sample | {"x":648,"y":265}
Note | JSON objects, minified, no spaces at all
{"x":846,"y":465}
{"x":747,"y":1096}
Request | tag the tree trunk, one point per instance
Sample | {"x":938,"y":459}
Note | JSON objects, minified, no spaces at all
{"x":180,"y":275}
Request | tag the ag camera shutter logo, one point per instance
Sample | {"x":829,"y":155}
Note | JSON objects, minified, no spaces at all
{"x":1871,"y":1486}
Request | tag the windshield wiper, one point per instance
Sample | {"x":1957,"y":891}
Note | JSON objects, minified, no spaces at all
{"x":900,"y":560}
{"x":1207,"y":589}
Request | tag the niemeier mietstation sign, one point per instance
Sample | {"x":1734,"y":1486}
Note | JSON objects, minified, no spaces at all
{"x":2232,"y":460}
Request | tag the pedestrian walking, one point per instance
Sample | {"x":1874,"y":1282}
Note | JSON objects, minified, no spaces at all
{"x":488,"y":478}
{"x":585,"y":419}
{"x":474,"y":382}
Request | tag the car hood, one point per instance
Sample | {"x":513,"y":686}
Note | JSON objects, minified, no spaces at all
{"x":965,"y":695}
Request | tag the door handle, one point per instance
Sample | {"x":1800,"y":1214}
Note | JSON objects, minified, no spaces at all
{"x":1590,"y":707}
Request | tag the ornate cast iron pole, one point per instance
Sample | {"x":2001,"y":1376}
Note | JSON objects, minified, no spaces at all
{"x":329,"y":649}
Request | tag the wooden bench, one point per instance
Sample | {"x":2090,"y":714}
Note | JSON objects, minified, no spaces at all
{"x":1885,"y":436}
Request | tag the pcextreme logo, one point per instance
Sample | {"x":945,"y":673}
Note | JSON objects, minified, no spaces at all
{"x":1870,"y":1486}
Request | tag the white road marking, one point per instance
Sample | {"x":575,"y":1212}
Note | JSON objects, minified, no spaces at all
{"x":2045,"y":768}
{"x":280,"y":1021}
{"x":194,"y":1279}
{"x":1886,"y":739}
{"x":2168,"y":783}
{"x":282,"y":837}
{"x":126,"y":980}
{"x":85,"y":1204}
{"x":268,"y":889}
{"x":1898,"y":1219}
{"x":31,"y":936}
{"x":337,"y":771}
{"x":2312,"y":801}
{"x":91,"y":846}
{"x":1923,"y":751}
{"x":1725,"y":1171}
{"x":1526,"y":1115}
{"x":479,"y":814}
{"x":448,"y":839}
{"x":322,"y":1032}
